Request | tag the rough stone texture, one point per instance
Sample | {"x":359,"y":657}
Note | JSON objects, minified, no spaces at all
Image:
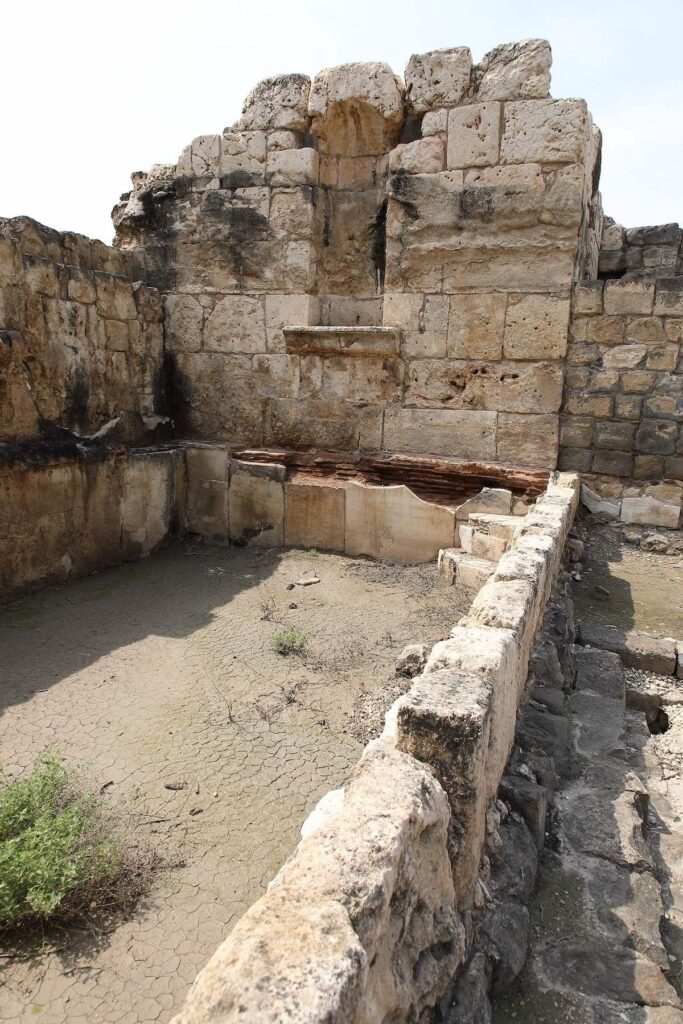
{"x":440,"y":78}
{"x":329,"y":209}
{"x":80,"y":336}
{"x":515,"y":71}
{"x":623,"y":395}
{"x":70,"y":516}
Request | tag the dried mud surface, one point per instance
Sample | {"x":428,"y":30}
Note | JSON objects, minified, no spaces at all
{"x":162,"y":673}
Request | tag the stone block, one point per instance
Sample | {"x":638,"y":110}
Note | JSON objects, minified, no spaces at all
{"x":440,"y":78}
{"x":423,"y":321}
{"x":515,"y":71}
{"x":662,"y":357}
{"x":444,"y":721}
{"x":393,"y":523}
{"x":648,"y":467}
{"x":656,"y":437}
{"x":588,"y":298}
{"x":285,"y":311}
{"x":579,"y":459}
{"x":624,"y":357}
{"x":545,"y":131}
{"x":280,"y":102}
{"x":595,"y":504}
{"x":324,"y":423}
{"x":184,"y":322}
{"x":357,"y":109}
{"x":424,"y":156}
{"x":207,"y":491}
{"x":634,"y":297}
{"x":576,"y":431}
{"x":612,"y":463}
{"x":645,"y":330}
{"x":509,"y":605}
{"x":536,"y":327}
{"x":464,"y":570}
{"x":256,"y":505}
{"x":236,"y":324}
{"x":205,"y":158}
{"x":115,"y":298}
{"x":503,"y":387}
{"x":490,"y":654}
{"x":636,"y":382}
{"x":489,"y":500}
{"x":635,"y":649}
{"x":669,"y":297}
{"x":484,"y":545}
{"x":648,"y":511}
{"x":435,"y":122}
{"x":673,"y":468}
{"x":473,"y":135}
{"x":615,"y":435}
{"x":454,"y":433}
{"x":476,"y":325}
{"x":627,"y":407}
{"x":527,"y":440}
{"x":292,"y":167}
{"x":579,"y":404}
{"x":314,"y":515}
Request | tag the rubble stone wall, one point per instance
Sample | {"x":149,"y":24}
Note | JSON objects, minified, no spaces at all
{"x":622,"y":415}
{"x":80,"y":334}
{"x":369,"y":919}
{"x":453,"y":208}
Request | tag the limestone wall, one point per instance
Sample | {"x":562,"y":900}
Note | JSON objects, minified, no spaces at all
{"x":452,"y":208}
{"x":80,"y":335}
{"x":622,"y":415}
{"x":640,"y":253}
{"x":71,"y":515}
{"x":369,"y":919}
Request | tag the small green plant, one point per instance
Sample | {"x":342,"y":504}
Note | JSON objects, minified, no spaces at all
{"x":312,"y":552}
{"x":59,"y":857}
{"x":290,"y":641}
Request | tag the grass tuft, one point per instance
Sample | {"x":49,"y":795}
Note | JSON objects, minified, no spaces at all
{"x":290,"y":641}
{"x":60,"y":859}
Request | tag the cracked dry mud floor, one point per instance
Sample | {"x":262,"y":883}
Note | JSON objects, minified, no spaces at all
{"x":162,"y":671}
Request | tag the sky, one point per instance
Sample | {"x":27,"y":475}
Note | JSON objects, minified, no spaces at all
{"x":93,"y":91}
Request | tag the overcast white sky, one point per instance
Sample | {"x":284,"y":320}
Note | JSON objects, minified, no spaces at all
{"x":93,"y":91}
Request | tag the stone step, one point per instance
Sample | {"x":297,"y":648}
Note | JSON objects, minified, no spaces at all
{"x":636,"y":650}
{"x":481,"y":543}
{"x":463,"y":569}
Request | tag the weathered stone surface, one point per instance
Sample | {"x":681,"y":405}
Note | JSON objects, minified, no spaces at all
{"x":515,"y":71}
{"x":357,"y":109}
{"x":476,"y":325}
{"x":412,"y":660}
{"x":650,"y":511}
{"x":279,"y":102}
{"x":439,"y":78}
{"x":536,"y":327}
{"x":545,"y":131}
{"x":441,"y":432}
{"x":256,"y":504}
{"x":392,"y":522}
{"x":636,"y":650}
{"x":236,"y":324}
{"x":314,"y":515}
{"x":524,"y":387}
{"x":473,"y":135}
{"x":424,"y":156}
{"x":629,"y":297}
{"x":527,"y":440}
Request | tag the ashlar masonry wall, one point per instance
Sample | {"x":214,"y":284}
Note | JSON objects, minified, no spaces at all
{"x":446,"y":214}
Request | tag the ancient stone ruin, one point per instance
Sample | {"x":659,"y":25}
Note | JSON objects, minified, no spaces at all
{"x":387,"y":317}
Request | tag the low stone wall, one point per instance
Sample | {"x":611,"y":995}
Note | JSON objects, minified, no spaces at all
{"x":70,"y":516}
{"x":622,"y":415}
{"x":81,"y":339}
{"x":368,"y":919}
{"x":265,"y":504}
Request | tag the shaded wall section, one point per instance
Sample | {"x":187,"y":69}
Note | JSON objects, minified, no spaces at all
{"x":80,"y":335}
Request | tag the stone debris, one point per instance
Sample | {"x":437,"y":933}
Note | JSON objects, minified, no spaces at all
{"x":411,"y":660}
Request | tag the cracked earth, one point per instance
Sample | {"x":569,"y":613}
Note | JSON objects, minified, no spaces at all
{"x":162,"y":673}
